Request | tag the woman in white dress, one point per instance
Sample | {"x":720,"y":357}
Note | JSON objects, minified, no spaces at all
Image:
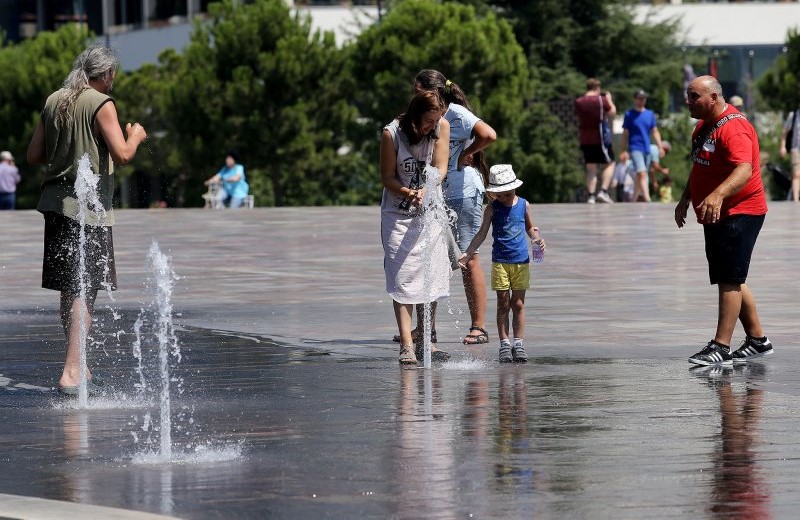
{"x":415,"y":246}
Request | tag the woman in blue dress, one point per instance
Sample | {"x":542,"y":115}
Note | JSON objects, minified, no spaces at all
{"x":234,"y":185}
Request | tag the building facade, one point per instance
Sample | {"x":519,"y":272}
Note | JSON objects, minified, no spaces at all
{"x":741,"y":43}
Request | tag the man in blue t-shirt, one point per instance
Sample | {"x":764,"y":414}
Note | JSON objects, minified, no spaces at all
{"x":638,"y":126}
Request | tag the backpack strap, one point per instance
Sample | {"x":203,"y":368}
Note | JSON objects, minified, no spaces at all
{"x":698,"y":142}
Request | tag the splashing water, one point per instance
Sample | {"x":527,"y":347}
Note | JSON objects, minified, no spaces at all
{"x":89,"y":209}
{"x":202,"y":454}
{"x":168,"y":346}
{"x":91,"y":213}
{"x":467,"y":365}
{"x":154,"y":325}
{"x":436,"y":220}
{"x":141,"y":386}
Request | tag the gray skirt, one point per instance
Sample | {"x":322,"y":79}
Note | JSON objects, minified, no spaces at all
{"x":61,"y":264}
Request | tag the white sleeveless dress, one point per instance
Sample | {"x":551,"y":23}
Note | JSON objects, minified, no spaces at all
{"x":414,"y":242}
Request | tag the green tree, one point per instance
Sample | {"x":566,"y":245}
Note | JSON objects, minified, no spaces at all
{"x":480,"y":54}
{"x":29,"y":72}
{"x":780,"y":85}
{"x":254,"y":78}
{"x":677,"y":129}
{"x":569,"y":40}
{"x":140,"y":97}
{"x":779,"y":89}
{"x":577,"y":39}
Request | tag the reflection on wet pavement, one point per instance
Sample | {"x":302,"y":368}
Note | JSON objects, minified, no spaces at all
{"x":294,"y":406}
{"x":352,"y":438}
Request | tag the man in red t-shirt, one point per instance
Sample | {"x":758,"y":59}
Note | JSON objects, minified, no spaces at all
{"x":725,"y":189}
{"x":599,"y":158}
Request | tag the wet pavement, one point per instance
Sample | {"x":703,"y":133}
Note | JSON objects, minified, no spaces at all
{"x":292,"y":404}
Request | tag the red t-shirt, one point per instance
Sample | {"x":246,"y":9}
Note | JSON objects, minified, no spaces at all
{"x":587,"y":108}
{"x":735,"y":142}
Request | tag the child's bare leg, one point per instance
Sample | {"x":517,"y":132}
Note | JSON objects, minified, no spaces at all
{"x":518,"y":311}
{"x":503,"y":308}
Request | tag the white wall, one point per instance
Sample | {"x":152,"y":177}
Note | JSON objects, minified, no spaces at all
{"x":143,"y":46}
{"x":728,"y":24}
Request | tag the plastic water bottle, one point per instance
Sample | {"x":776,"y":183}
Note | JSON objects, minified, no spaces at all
{"x":536,"y":250}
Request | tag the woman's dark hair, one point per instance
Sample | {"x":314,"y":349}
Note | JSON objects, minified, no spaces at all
{"x":411,"y":119}
{"x":235,"y":156}
{"x":479,"y":162}
{"x":430,"y":79}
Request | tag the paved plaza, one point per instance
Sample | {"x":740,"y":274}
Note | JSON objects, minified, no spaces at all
{"x":289,"y":402}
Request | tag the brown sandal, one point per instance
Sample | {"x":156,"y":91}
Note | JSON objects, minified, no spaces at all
{"x":407,"y":356}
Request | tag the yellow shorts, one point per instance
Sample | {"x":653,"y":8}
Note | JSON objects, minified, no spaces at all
{"x":516,"y":277}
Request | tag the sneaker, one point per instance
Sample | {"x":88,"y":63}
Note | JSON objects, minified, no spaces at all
{"x":590,"y":200}
{"x":604,"y":197}
{"x":505,"y":353}
{"x":752,"y":348}
{"x":713,"y":376}
{"x":519,"y":355}
{"x":752,"y":371}
{"x":712,"y":354}
{"x":711,"y":371}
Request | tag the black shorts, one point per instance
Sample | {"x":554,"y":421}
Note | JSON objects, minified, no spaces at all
{"x":729,"y":246}
{"x":594,"y":154}
{"x":61,"y":261}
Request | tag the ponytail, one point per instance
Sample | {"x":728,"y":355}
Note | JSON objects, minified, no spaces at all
{"x":92,"y":64}
{"x":449,"y":91}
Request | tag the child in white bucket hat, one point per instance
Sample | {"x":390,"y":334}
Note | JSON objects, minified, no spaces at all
{"x":512,"y":223}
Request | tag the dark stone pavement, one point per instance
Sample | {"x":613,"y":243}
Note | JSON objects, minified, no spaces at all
{"x":292,"y":404}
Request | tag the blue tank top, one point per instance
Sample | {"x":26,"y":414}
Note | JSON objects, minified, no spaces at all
{"x":508,"y":230}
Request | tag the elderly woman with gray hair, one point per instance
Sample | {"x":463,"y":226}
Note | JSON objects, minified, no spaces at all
{"x":79,"y":121}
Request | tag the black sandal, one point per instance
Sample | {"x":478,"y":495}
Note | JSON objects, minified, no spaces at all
{"x":476,"y":339}
{"x":436,"y":355}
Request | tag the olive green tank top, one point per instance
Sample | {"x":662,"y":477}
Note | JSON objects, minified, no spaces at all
{"x":66,"y":143}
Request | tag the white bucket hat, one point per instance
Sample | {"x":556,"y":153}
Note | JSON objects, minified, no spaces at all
{"x":6,"y":156}
{"x":502,"y":178}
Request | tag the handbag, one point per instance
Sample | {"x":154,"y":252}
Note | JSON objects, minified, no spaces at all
{"x":606,"y":138}
{"x":790,"y":134}
{"x":605,"y":133}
